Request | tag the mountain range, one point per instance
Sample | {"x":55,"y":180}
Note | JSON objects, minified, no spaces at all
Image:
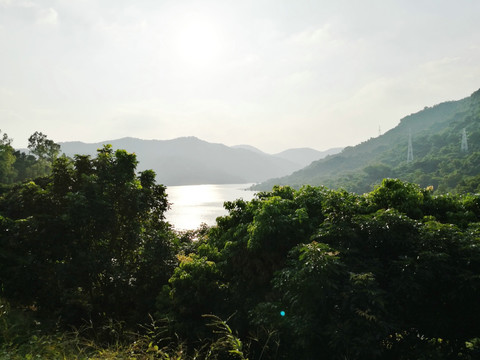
{"x":436,"y":135}
{"x":189,"y":160}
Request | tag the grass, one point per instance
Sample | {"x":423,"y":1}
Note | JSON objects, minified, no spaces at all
{"x":23,"y":338}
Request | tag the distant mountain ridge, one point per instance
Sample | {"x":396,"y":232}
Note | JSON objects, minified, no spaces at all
{"x":438,"y":160}
{"x":305,"y":156}
{"x":300,"y":156}
{"x":250,"y":148}
{"x":189,"y":160}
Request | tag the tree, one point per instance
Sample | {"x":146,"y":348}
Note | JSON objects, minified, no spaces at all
{"x":42,"y":147}
{"x":25,"y":166}
{"x":7,"y":160}
{"x":81,"y":240}
{"x":330,"y":312}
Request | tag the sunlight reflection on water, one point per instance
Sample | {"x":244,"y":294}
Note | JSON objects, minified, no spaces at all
{"x":196,"y":204}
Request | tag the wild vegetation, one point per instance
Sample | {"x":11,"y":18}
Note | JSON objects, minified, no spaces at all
{"x":89,"y":269}
{"x":17,"y":166}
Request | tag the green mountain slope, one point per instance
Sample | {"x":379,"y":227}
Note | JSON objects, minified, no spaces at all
{"x":306,"y":156}
{"x":438,"y":159}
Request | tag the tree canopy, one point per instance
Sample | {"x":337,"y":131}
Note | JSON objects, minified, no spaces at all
{"x":84,"y":241}
{"x":392,"y":274}
{"x":17,"y":166}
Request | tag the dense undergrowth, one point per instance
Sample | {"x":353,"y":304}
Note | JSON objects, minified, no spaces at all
{"x":23,"y":337}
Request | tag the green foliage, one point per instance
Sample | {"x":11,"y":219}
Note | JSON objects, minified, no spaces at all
{"x":16,"y":166}
{"x":328,"y":307}
{"x":227,"y":344}
{"x":27,"y":167}
{"x":83,"y":242}
{"x":196,"y":289}
{"x":406,"y":198}
{"x":43,"y":147}
{"x":310,"y":273}
{"x":7,"y":159}
{"x":386,"y":275}
{"x":45,"y":151}
{"x":22,"y":338}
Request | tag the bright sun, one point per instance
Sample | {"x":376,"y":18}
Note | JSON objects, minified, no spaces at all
{"x":197,"y":42}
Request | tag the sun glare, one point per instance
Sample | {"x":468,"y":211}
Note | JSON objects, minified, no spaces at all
{"x":197,"y":42}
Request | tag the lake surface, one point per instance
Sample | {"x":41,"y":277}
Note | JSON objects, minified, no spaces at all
{"x":196,"y":204}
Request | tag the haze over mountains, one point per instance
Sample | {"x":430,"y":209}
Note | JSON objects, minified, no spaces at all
{"x":189,"y":160}
{"x":300,"y":156}
{"x":305,"y":156}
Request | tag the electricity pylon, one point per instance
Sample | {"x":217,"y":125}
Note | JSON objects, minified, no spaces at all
{"x":464,"y":145}
{"x":410,"y":147}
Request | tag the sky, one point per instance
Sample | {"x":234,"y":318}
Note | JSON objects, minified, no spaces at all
{"x":273,"y":74}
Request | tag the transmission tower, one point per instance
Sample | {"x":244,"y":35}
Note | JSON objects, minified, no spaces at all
{"x":410,"y":147}
{"x":464,"y":145}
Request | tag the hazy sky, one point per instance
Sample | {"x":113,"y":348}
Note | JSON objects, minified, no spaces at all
{"x":274,"y":74}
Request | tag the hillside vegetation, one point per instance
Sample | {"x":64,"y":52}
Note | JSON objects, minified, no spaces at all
{"x":293,"y":274}
{"x":438,"y":160}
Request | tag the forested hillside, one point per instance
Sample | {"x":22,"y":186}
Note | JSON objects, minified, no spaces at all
{"x":438,"y":160}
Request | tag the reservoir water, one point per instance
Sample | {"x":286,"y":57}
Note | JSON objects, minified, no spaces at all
{"x":192,"y":205}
